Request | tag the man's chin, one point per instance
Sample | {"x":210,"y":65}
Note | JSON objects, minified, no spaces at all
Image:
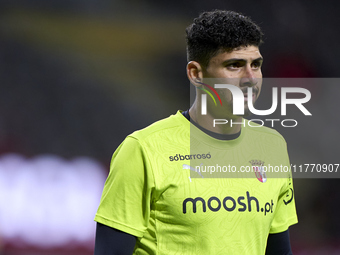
{"x":247,"y":113}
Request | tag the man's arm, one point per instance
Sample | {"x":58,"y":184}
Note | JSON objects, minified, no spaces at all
{"x":279,"y":244}
{"x":110,"y":241}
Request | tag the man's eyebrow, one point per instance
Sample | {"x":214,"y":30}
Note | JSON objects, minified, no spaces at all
{"x":231,"y":60}
{"x":234,"y":60}
{"x":258,"y":59}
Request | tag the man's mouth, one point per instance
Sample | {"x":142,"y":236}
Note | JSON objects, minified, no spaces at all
{"x":254,"y":91}
{"x":253,"y":96}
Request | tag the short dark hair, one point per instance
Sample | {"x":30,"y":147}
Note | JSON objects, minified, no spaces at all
{"x":220,"y":30}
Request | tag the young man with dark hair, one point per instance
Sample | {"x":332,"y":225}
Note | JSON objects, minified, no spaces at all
{"x":156,"y":201}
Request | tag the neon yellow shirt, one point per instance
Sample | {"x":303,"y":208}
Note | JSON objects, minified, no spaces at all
{"x":159,"y":191}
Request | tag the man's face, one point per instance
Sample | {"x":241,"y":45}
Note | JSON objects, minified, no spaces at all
{"x":241,"y":67}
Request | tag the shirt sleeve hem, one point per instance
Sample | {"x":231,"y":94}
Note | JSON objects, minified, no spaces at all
{"x":282,"y":228}
{"x":119,"y":226}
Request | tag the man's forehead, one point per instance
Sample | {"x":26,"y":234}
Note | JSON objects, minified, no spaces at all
{"x":243,"y":52}
{"x":247,"y":50}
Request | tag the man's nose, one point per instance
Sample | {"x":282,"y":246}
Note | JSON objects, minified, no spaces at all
{"x":249,"y":79}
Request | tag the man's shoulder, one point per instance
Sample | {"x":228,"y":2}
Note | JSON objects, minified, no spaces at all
{"x":164,"y":127}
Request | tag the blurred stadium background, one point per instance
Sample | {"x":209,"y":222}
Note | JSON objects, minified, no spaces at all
{"x":77,"y":76}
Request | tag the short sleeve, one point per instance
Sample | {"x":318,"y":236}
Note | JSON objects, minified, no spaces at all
{"x":126,"y":198}
{"x":285,"y":212}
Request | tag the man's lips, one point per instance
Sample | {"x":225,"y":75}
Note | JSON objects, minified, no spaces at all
{"x":246,"y":97}
{"x":245,"y":94}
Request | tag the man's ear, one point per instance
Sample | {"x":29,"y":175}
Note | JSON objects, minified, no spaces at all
{"x":194,"y":73}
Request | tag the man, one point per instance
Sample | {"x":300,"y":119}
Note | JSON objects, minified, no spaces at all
{"x":159,"y":198}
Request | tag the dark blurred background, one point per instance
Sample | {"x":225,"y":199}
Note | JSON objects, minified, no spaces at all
{"x":77,"y":76}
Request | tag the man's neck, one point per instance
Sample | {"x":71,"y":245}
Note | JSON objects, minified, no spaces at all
{"x":225,"y":125}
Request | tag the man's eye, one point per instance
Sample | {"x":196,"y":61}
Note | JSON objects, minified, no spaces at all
{"x":234,"y":65}
{"x":256,"y":65}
